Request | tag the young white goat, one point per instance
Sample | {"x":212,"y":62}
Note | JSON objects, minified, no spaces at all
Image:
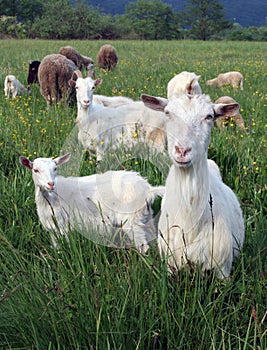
{"x":13,"y":87}
{"x":103,"y":127}
{"x":184,"y":83}
{"x":201,"y":220}
{"x":112,"y":202}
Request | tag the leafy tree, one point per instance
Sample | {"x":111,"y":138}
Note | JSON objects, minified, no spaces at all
{"x":23,"y":10}
{"x":205,"y":17}
{"x":152,"y":19}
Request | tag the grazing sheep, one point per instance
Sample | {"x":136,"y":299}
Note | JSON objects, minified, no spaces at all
{"x":184,"y":83}
{"x":230,"y":78}
{"x":82,"y":62}
{"x":107,"y":57}
{"x":103,"y":128}
{"x":201,"y":220}
{"x":115,"y":202}
{"x":237,"y":116}
{"x":33,"y":72}
{"x":13,"y":87}
{"x":54,"y":73}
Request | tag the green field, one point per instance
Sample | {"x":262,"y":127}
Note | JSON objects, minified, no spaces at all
{"x":89,"y":296}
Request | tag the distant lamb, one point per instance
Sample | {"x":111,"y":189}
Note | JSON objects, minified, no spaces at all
{"x":230,"y":78}
{"x":33,"y":72}
{"x":54,"y":73}
{"x":103,"y":128}
{"x":184,"y":83}
{"x":13,"y":87}
{"x":201,"y":220}
{"x":82,"y":62}
{"x":112,"y":204}
{"x":237,"y":117}
{"x":107,"y":57}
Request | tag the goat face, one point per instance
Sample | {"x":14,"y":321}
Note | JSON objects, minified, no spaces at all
{"x":188,"y":129}
{"x":44,"y":170}
{"x":85,"y":90}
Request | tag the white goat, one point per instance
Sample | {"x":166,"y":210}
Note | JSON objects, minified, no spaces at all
{"x":112,"y":202}
{"x":13,"y":87}
{"x":184,"y":83}
{"x":201,"y":219}
{"x":102,"y":127}
{"x":234,"y":79}
{"x":111,"y":101}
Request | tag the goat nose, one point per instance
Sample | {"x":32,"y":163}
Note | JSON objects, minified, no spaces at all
{"x":51,"y":185}
{"x":182,"y":152}
{"x":86,"y":102}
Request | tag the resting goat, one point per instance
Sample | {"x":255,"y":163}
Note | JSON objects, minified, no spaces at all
{"x":115,"y":203}
{"x":201,"y":220}
{"x":129,"y":124}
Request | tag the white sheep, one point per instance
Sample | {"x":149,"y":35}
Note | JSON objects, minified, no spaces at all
{"x":102,"y":128}
{"x":115,"y":204}
{"x":229,"y":78}
{"x":184,"y":83}
{"x":13,"y":87}
{"x":237,"y":117}
{"x":201,"y":220}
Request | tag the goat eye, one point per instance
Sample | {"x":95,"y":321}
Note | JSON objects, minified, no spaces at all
{"x":209,"y":117}
{"x":36,"y":170}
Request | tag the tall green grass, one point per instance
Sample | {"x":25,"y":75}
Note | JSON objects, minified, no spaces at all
{"x":88,"y":296}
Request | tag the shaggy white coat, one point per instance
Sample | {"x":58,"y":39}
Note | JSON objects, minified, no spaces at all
{"x":13,"y":87}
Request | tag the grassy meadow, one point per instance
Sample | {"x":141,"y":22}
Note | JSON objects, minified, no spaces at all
{"x":89,"y":296}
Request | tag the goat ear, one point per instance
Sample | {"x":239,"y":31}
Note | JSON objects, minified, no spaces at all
{"x":62,"y":159}
{"x":25,"y":162}
{"x":189,"y":87}
{"x":225,"y":109}
{"x":72,"y":83}
{"x":156,"y":103}
{"x":98,"y":82}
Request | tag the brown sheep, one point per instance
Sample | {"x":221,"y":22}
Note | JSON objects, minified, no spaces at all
{"x":82,"y":62}
{"x":230,"y":78}
{"x":54,"y":73}
{"x":220,"y":122}
{"x":107,"y":57}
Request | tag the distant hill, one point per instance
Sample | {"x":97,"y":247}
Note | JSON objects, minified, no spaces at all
{"x":245,"y":12}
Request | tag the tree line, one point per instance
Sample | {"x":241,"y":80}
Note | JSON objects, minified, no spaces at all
{"x":143,"y":19}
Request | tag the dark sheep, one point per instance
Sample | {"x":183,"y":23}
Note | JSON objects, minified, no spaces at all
{"x":107,"y":57}
{"x":33,"y":72}
{"x":82,"y":62}
{"x":54,"y":74}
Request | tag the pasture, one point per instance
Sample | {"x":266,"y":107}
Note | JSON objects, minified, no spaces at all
{"x":89,"y":296}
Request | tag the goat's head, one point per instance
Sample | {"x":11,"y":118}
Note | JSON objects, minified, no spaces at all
{"x":84,"y":88}
{"x":189,"y":120}
{"x":44,"y":170}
